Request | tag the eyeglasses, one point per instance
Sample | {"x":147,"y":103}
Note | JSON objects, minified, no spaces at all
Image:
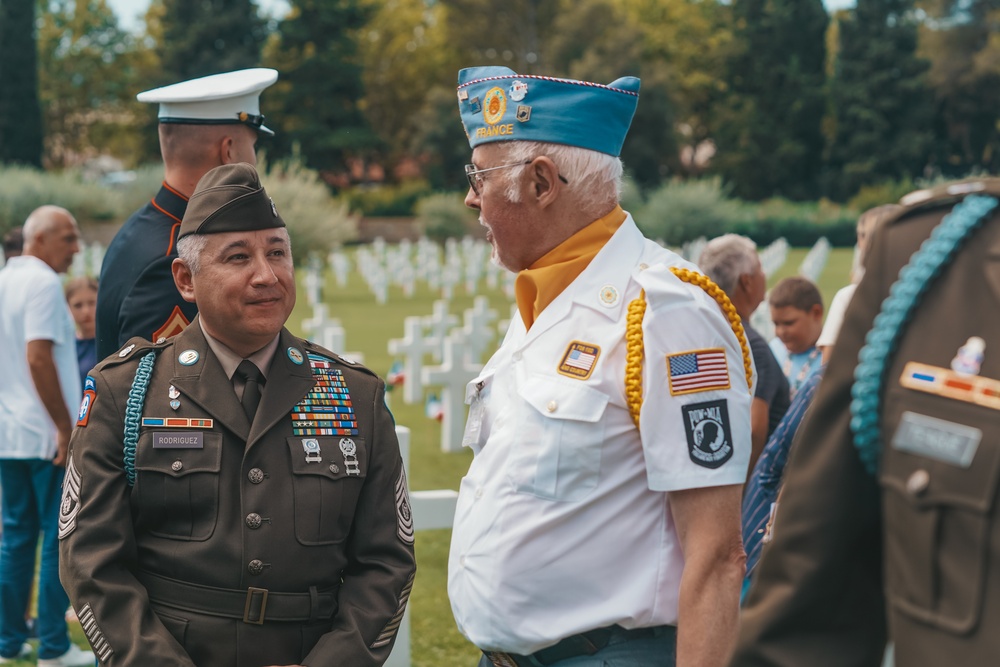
{"x":476,"y":181}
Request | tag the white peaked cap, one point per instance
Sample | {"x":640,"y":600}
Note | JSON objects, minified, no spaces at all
{"x":231,"y":97}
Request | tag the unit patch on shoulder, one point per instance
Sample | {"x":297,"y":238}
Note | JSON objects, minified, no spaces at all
{"x":579,"y":360}
{"x":709,"y":437}
{"x":697,"y":370}
{"x":89,"y":396}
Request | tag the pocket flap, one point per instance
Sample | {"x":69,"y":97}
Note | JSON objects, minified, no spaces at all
{"x":179,"y":461}
{"x":333,"y":457}
{"x":558,"y":399}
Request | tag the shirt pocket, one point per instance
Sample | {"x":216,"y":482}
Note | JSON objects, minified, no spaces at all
{"x":558,"y":453}
{"x":327,"y":476}
{"x":939,"y":517}
{"x":178,"y":489}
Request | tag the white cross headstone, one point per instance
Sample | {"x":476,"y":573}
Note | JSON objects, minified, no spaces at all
{"x":452,"y":375}
{"x":477,"y":329}
{"x":412,"y":346}
{"x":438,"y":324}
{"x":313,"y":281}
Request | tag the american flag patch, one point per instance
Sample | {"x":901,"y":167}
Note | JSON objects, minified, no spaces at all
{"x":697,"y":370}
{"x":579,"y":360}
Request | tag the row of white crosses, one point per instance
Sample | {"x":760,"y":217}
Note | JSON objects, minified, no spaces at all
{"x":459,"y":351}
{"x":772,"y":258}
{"x":815,"y":260}
{"x":462,"y":263}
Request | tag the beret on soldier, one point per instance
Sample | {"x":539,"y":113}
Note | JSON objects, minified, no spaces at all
{"x":498,"y":104}
{"x":229,"y":198}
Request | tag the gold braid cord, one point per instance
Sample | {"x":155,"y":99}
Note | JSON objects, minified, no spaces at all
{"x":633,"y":336}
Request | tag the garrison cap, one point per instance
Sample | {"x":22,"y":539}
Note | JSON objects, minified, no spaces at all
{"x":498,"y":104}
{"x":229,"y":198}
{"x":219,"y":99}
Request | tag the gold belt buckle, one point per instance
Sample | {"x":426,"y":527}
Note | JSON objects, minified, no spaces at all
{"x":263,"y":605}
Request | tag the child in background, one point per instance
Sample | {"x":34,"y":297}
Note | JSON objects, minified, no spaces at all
{"x":81,"y":295}
{"x":797,"y":313}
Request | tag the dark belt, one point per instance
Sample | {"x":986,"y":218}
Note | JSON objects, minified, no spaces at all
{"x":252,"y":605}
{"x":585,"y":643}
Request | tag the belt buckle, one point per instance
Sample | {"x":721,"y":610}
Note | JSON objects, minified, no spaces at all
{"x":263,"y":605}
{"x":500,"y":659}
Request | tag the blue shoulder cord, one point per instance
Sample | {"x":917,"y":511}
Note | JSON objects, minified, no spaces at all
{"x":914,"y":280}
{"x":133,"y":412}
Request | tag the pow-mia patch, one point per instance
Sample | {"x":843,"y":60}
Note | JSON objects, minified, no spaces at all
{"x":404,"y":515}
{"x":579,"y":360}
{"x":709,"y":437}
{"x":70,"y":505}
{"x":102,"y":649}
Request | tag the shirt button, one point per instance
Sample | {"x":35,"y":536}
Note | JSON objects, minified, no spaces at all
{"x":255,"y":566}
{"x":176,"y":466}
{"x":461,"y":561}
{"x":643,"y":266}
{"x":918,"y":482}
{"x":552,"y":406}
{"x":253,"y":520}
{"x":256,"y":475}
{"x":517,"y":356}
{"x":479,"y":492}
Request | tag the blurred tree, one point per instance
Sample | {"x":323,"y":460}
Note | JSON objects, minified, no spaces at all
{"x":316,"y":101}
{"x":87,"y":82}
{"x":962,"y":41}
{"x":882,"y":108}
{"x":201,"y":37}
{"x":20,"y":113}
{"x":768,"y":129}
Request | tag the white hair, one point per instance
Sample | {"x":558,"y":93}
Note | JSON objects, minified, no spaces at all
{"x":189,"y":249}
{"x":726,"y":258}
{"x":44,"y":220}
{"x":594,"y":179}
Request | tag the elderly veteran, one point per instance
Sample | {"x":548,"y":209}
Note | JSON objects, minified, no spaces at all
{"x":888,"y":528}
{"x":599,"y":522}
{"x":203,"y":123}
{"x":256,"y":511}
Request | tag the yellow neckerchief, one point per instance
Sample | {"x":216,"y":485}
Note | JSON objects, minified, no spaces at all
{"x":539,"y":285}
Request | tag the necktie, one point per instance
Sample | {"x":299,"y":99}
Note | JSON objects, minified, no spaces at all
{"x":253,"y":379}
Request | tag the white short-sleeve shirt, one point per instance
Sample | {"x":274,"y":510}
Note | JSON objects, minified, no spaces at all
{"x":34,"y":308}
{"x":563,"y":522}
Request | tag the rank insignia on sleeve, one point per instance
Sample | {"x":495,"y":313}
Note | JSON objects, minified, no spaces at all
{"x":709,"y":437}
{"x":579,"y":360}
{"x":69,"y":507}
{"x":697,"y":370}
{"x":175,"y":324}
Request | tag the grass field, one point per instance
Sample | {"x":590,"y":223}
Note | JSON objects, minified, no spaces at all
{"x":435,"y":641}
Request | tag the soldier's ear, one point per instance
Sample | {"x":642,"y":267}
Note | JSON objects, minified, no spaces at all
{"x":183,"y":279}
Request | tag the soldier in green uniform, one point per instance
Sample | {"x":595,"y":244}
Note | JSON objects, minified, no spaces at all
{"x":235,"y":495}
{"x":888,"y":527}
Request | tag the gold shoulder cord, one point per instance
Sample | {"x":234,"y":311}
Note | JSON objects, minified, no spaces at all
{"x":633,"y":336}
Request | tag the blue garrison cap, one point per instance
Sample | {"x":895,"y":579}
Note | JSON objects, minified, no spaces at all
{"x":497,"y":104}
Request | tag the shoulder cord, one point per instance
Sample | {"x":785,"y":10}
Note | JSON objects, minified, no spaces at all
{"x":914,"y":281}
{"x":133,"y":412}
{"x":633,"y":336}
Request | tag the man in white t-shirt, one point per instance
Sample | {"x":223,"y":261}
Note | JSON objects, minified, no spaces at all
{"x":39,"y":392}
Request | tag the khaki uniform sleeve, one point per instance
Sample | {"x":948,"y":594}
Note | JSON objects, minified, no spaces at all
{"x":817,"y":597}
{"x":97,"y":544}
{"x":381,"y":566}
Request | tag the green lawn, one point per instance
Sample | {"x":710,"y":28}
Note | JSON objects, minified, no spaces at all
{"x":435,"y":641}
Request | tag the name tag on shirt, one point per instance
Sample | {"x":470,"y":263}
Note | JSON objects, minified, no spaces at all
{"x":937,"y":439}
{"x":179,"y":440}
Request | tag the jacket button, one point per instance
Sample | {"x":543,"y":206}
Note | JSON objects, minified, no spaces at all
{"x":253,"y":520}
{"x":255,"y":566}
{"x":552,"y":406}
{"x":256,"y":475}
{"x":334,"y":468}
{"x":176,"y":466}
{"x":918,"y":482}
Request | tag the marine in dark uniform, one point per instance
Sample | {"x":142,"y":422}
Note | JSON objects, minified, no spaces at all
{"x":244,"y":519}
{"x":204,"y":123}
{"x":888,"y":526}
